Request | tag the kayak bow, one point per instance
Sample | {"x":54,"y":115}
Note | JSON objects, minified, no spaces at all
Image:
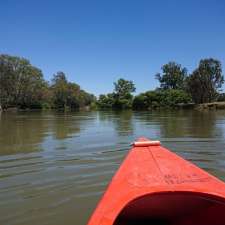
{"x":155,"y":186}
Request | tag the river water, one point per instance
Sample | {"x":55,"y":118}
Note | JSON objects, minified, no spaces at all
{"x":55,"y":166}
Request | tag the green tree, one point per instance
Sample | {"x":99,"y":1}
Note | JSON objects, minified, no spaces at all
{"x":106,"y":101}
{"x":21,"y":84}
{"x":221,"y":97}
{"x":85,"y":99}
{"x":124,"y":87}
{"x":73,"y":93}
{"x":60,"y":90}
{"x":171,"y":98}
{"x":204,"y":83}
{"x":67,"y":94}
{"x":121,"y":98}
{"x":173,"y":76}
{"x":140,"y":101}
{"x":122,"y":93}
{"x":160,"y":98}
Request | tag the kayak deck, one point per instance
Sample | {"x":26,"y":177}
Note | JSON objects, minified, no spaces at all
{"x":155,"y":186}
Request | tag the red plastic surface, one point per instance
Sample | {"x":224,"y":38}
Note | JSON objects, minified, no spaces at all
{"x":155,"y":186}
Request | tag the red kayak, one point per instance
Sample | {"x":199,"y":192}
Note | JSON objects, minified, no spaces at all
{"x":155,"y":186}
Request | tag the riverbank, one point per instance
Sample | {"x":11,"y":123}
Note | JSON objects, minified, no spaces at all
{"x":211,"y":106}
{"x":183,"y":106}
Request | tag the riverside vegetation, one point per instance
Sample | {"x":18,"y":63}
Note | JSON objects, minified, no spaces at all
{"x":22,"y":86}
{"x":176,"y":87}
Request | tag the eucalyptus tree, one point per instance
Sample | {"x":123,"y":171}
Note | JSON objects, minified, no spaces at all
{"x":21,"y":84}
{"x":173,"y":76}
{"x":123,"y":90}
{"x":205,"y":82}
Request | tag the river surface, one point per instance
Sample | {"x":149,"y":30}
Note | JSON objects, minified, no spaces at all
{"x":55,"y":166}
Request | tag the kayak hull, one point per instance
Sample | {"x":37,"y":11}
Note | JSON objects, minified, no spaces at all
{"x":155,"y":186}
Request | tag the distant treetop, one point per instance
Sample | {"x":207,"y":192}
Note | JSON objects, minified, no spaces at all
{"x":173,"y":76}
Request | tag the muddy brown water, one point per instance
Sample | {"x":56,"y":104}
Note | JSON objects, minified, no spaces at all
{"x":55,"y":166}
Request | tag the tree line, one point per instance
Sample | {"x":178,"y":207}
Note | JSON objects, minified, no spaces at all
{"x":203,"y":85}
{"x":23,"y":86}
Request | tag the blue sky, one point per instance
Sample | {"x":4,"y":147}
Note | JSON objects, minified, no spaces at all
{"x":96,"y":42}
